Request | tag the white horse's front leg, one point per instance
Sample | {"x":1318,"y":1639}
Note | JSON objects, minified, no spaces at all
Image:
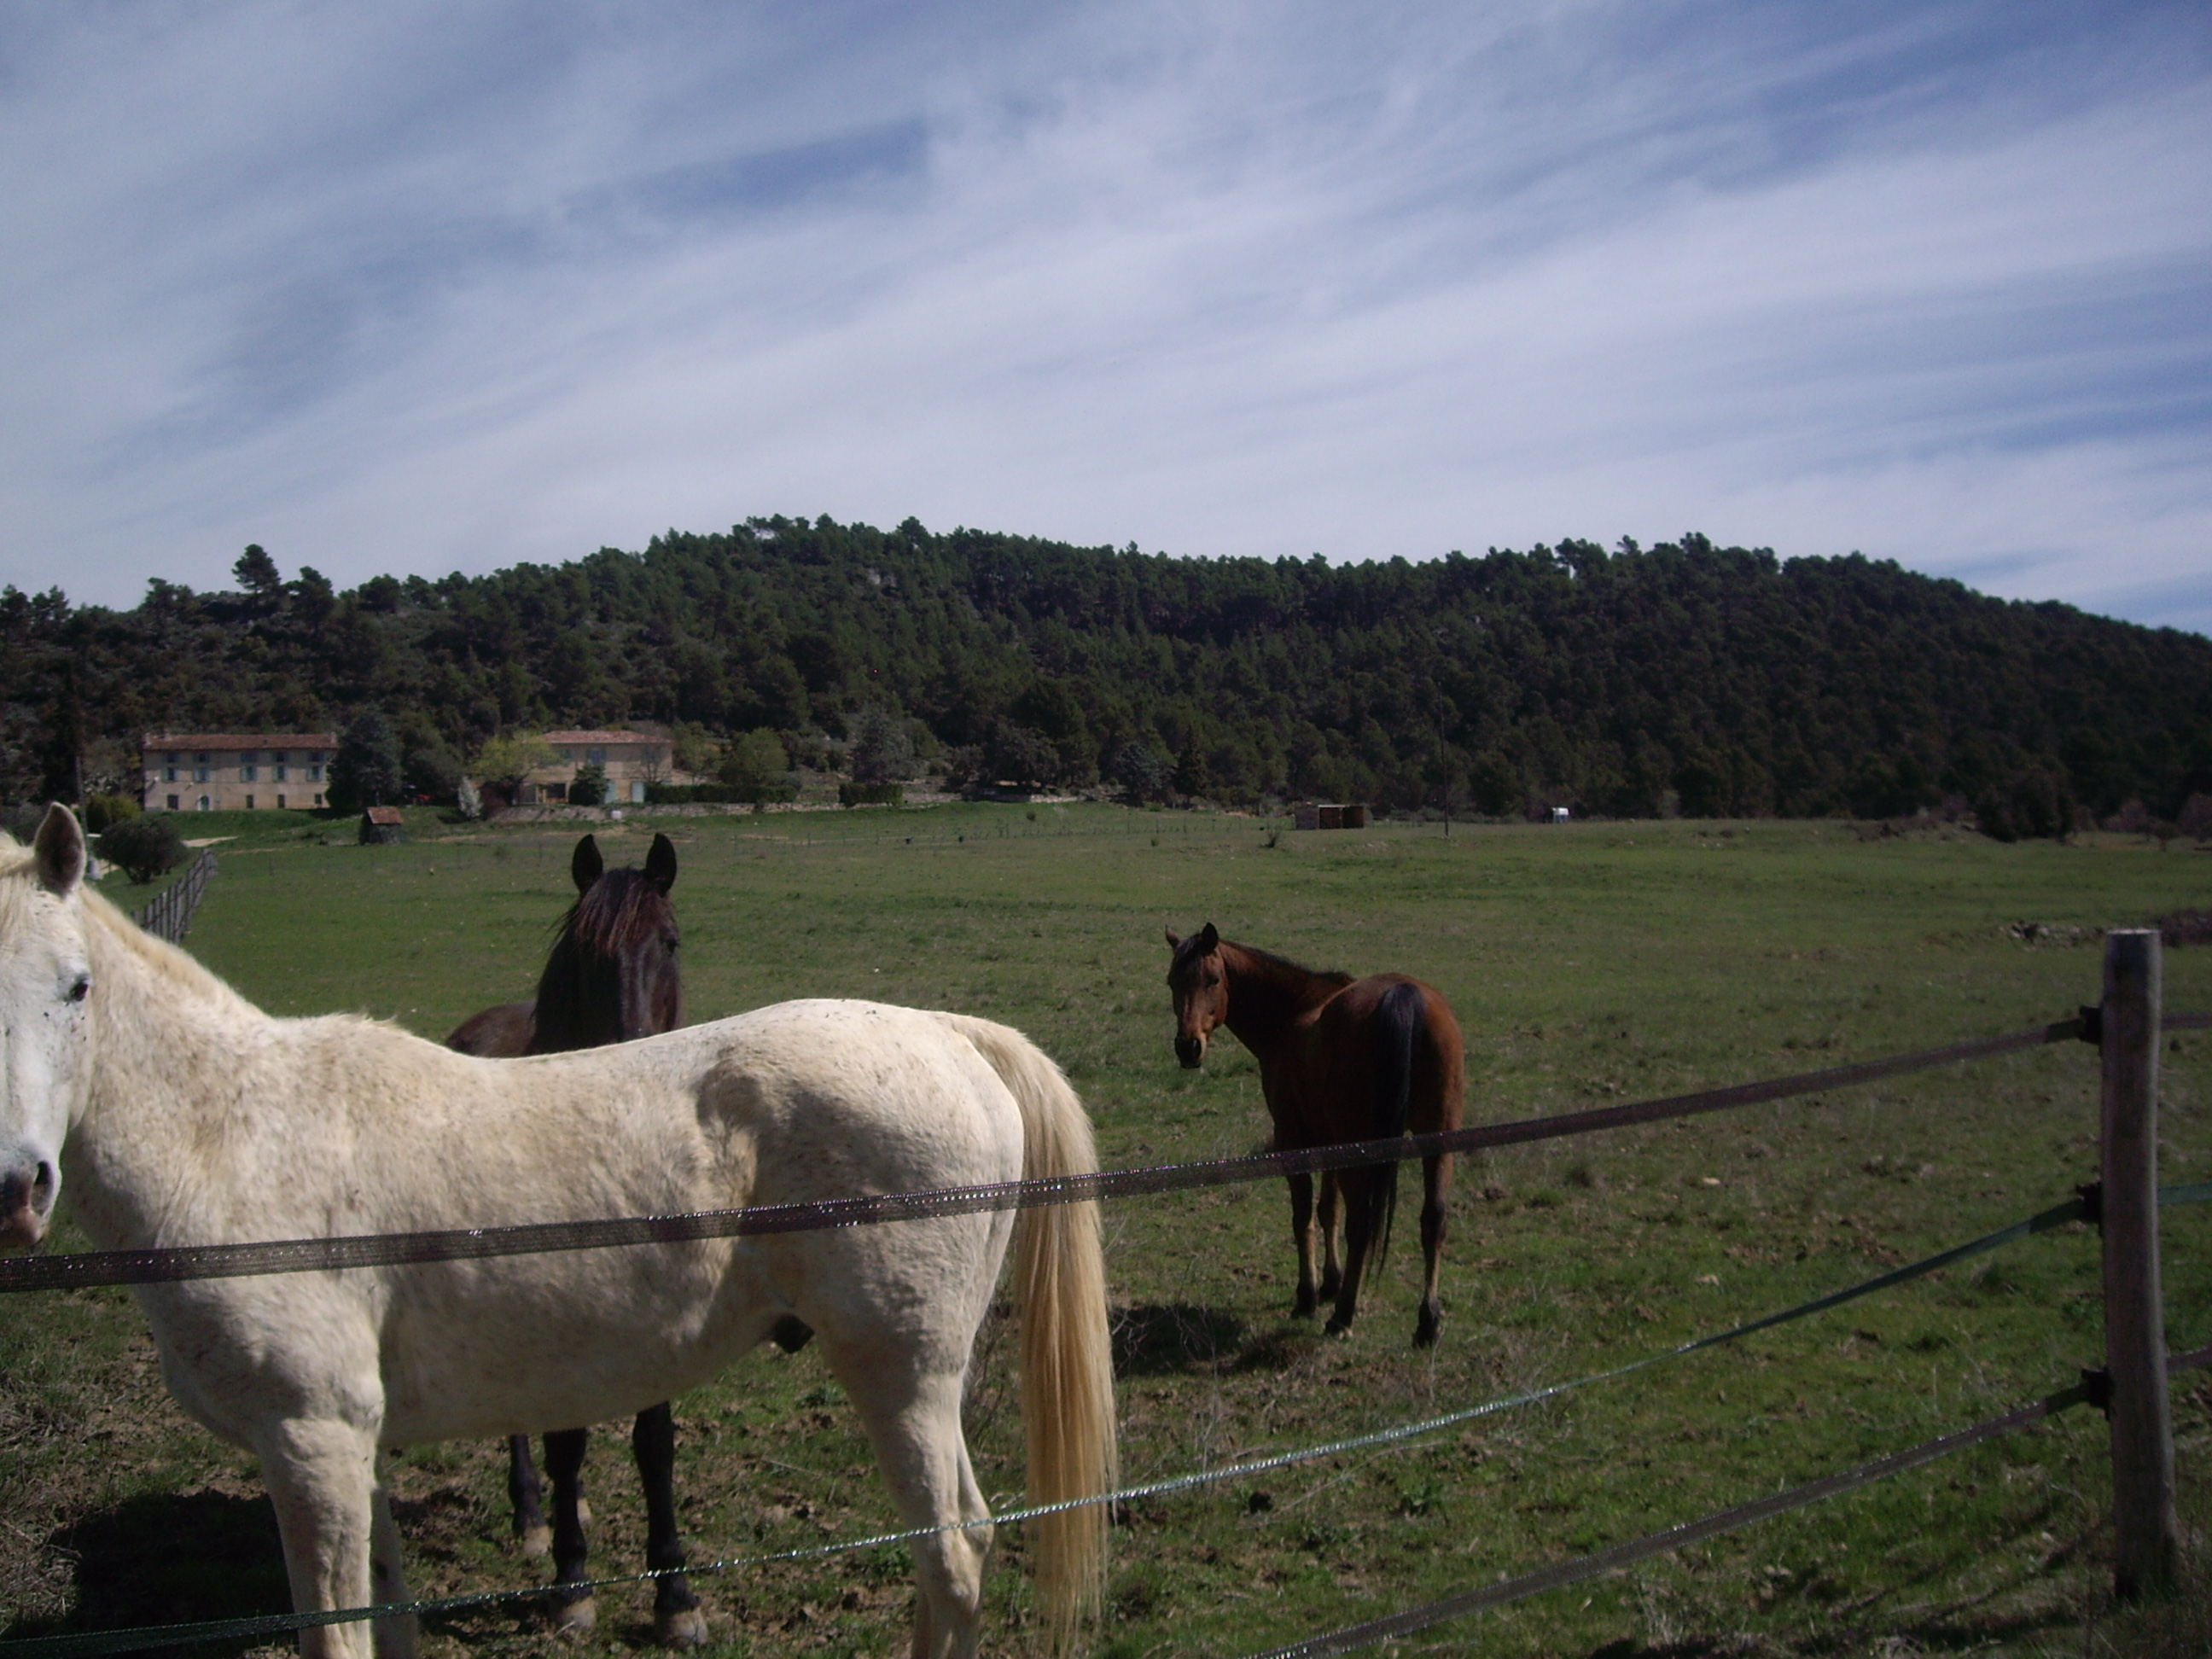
{"x":321,"y":1475}
{"x":395,"y":1637}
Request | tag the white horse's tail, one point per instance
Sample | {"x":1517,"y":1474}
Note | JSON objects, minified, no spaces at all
{"x":1068,"y":1362}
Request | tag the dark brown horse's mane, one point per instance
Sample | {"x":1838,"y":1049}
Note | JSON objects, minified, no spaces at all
{"x":622,"y":908}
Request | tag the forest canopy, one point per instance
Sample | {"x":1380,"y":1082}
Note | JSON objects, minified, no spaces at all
{"x":1629,"y":682}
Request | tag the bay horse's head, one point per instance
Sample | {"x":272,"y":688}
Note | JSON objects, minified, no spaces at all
{"x":1200,"y":985}
{"x":611,"y":975}
{"x":45,"y":1028}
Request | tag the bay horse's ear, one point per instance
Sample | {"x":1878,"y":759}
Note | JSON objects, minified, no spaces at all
{"x":587,"y":866}
{"x":1174,"y":938}
{"x":60,"y":844}
{"x":1208,"y":941}
{"x":660,"y":863}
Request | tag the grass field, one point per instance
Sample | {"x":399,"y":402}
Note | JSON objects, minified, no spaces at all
{"x":1589,"y":964}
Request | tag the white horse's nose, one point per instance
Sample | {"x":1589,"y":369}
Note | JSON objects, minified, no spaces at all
{"x":27,"y":1199}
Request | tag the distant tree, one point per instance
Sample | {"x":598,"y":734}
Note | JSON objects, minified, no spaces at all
{"x":1142,"y":771}
{"x":1020,"y":755}
{"x":2196,"y":819}
{"x":257,"y":573}
{"x":101,"y":812}
{"x":882,"y":752}
{"x":1192,"y":774}
{"x":366,"y":769}
{"x":502,"y":763}
{"x":142,"y":847}
{"x":589,"y":787}
{"x":757,"y":769}
{"x":2036,"y":803}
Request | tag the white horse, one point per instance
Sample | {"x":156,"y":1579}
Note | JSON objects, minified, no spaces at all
{"x":185,"y":1115}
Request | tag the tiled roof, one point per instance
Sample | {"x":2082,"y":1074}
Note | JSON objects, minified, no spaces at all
{"x":385,"y":815}
{"x":212,"y":741}
{"x":602,"y":739}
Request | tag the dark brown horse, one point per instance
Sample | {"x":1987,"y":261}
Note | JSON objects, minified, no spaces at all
{"x":611,"y":976}
{"x":1340,"y":1060}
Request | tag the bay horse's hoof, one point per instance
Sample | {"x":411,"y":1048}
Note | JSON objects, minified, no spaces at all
{"x":1337,"y":1328}
{"x":1425,"y":1331}
{"x":682,"y":1628}
{"x":575,"y":1618}
{"x":536,"y":1541}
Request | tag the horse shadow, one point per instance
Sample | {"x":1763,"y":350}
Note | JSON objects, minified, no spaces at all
{"x":1162,"y":1339}
{"x":167,"y":1558}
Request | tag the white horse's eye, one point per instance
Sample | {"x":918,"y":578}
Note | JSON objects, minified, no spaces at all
{"x":81,"y":988}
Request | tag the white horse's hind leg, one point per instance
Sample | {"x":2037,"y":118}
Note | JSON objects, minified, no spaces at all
{"x":913,"y":1423}
{"x":395,"y":1637}
{"x":321,"y":1474}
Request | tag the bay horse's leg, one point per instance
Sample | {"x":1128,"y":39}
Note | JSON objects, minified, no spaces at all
{"x":1332,"y":1276}
{"x":1436,"y":1191}
{"x":913,"y":1423}
{"x":527,"y":1495}
{"x":575,"y":1613}
{"x":1365,"y":1192}
{"x":677,"y":1620}
{"x":321,"y":1476}
{"x":1302,"y":1209}
{"x":395,"y":1638}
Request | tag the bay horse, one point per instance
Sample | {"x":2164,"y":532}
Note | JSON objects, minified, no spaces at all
{"x":183,"y":1116}
{"x":611,"y":976}
{"x":1340,"y":1060}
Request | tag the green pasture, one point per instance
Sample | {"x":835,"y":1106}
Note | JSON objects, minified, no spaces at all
{"x":1589,"y":964}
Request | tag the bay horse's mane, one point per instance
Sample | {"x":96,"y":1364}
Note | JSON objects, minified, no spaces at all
{"x":1187,"y":950}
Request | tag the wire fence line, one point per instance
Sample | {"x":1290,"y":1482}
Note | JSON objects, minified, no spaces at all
{"x":83,"y":1644}
{"x":171,"y":1264}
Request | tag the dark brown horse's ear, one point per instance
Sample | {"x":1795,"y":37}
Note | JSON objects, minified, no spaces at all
{"x":60,"y":844}
{"x":660,"y":863}
{"x":1174,"y":938}
{"x":587,"y":866}
{"x":1208,"y":941}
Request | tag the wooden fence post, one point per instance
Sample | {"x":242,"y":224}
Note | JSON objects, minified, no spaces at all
{"x":2146,"y":1535}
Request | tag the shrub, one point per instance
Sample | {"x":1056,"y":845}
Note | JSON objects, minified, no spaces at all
{"x":589,"y":787}
{"x":104,"y":811}
{"x":873,"y":794}
{"x":142,"y":847}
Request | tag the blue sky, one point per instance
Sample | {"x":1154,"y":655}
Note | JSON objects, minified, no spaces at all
{"x":419,"y":288}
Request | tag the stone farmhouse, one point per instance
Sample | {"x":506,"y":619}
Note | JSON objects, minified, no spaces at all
{"x":630,"y":759}
{"x":230,"y":772}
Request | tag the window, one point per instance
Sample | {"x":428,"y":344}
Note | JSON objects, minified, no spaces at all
{"x":314,"y":774}
{"x":249,"y":803}
{"x":172,"y":799}
{"x":282,"y":771}
{"x":168,"y":775}
{"x":318,"y":800}
{"x":556,"y":791}
{"x":202,"y":772}
{"x":280,"y":802}
{"x":567,"y":754}
{"x":247,"y":773}
{"x":595,"y":758}
{"x":206,"y":805}
{"x":174,"y":757}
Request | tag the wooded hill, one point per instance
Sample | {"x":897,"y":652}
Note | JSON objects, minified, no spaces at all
{"x":1690,"y":678}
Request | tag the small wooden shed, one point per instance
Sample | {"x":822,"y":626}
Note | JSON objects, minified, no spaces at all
{"x":1331,"y":814}
{"x":382,"y":825}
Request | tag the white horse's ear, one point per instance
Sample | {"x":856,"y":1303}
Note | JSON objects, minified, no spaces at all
{"x":60,"y":846}
{"x":660,"y":863}
{"x":1174,"y":938}
{"x":587,"y":866}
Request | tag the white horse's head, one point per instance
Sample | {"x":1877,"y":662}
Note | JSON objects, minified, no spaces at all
{"x":45,"y":984}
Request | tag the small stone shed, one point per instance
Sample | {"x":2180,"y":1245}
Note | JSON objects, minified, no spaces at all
{"x":381,"y":826}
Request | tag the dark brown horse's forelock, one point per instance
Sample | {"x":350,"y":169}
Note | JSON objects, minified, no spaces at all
{"x":620,"y":910}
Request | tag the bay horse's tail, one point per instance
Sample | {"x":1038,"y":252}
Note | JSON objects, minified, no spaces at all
{"x":1067,"y":1363}
{"x":1400,"y":1014}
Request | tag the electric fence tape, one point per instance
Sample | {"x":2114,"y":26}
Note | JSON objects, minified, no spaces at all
{"x":175,"y":1263}
{"x":82,"y":1645}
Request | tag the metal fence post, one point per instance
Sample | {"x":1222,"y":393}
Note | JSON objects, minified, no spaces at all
{"x":2146,"y":1533}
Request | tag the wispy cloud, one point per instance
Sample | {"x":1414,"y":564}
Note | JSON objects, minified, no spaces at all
{"x":428,"y":288}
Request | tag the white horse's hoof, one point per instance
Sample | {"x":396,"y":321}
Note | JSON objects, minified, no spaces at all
{"x":576,"y":1618}
{"x":686,"y":1628}
{"x":536,"y":1542}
